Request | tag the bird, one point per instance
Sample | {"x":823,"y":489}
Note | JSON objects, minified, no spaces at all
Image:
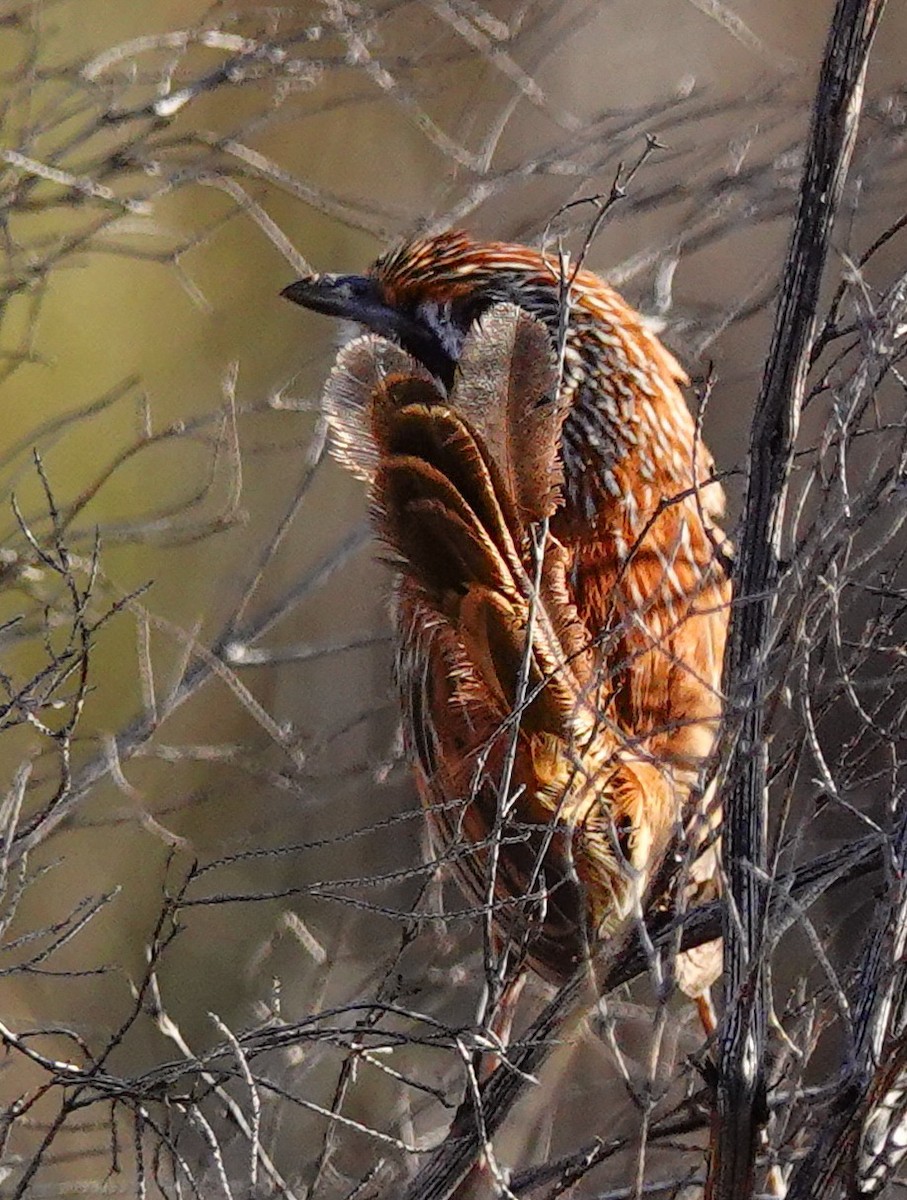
{"x":562,"y":592}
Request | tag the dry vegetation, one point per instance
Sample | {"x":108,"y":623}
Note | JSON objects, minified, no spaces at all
{"x":226,"y":967}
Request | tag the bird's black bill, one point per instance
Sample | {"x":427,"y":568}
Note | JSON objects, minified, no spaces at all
{"x":359,"y":298}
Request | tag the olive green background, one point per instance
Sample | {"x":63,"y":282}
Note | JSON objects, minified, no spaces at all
{"x":179,"y":304}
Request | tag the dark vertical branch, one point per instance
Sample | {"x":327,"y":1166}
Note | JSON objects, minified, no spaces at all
{"x":741,"y":1064}
{"x":614,"y":965}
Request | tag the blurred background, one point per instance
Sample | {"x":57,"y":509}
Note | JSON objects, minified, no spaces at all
{"x":200,"y":753}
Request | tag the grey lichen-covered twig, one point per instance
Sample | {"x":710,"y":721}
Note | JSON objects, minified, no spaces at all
{"x":741,"y":1081}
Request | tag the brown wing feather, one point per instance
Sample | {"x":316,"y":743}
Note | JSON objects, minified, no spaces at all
{"x":507,"y":389}
{"x":353,"y":393}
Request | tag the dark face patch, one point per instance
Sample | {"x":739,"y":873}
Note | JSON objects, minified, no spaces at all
{"x":361,"y":299}
{"x":432,"y":328}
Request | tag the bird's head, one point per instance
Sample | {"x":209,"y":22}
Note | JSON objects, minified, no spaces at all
{"x":426,"y":294}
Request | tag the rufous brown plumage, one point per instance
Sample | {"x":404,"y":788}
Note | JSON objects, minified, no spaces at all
{"x":562,"y":597}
